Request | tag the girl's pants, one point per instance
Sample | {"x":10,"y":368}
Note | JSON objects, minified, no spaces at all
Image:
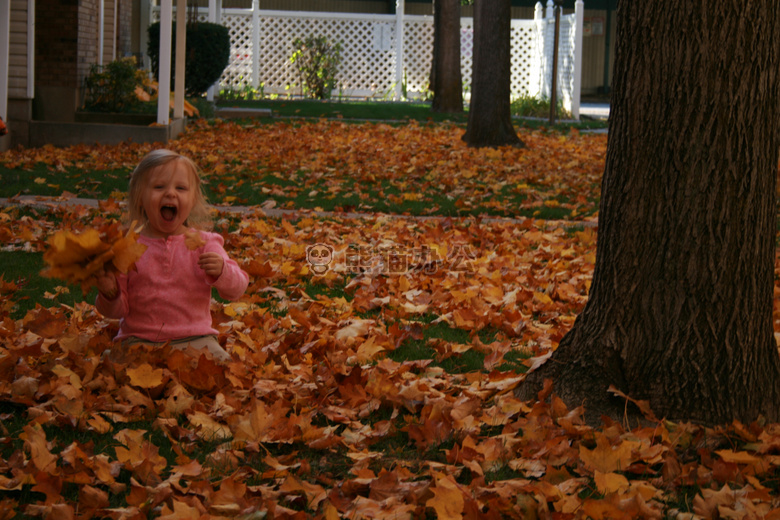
{"x":209,"y":343}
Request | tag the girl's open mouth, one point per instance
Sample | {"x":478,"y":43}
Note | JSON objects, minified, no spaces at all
{"x":168,"y":213}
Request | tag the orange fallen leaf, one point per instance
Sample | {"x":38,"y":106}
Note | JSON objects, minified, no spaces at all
{"x":180,"y":511}
{"x":35,"y":441}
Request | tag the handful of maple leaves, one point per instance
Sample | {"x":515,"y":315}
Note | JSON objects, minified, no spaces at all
{"x":79,"y":258}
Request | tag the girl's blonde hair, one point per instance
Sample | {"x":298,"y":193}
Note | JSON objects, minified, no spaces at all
{"x":199,"y":217}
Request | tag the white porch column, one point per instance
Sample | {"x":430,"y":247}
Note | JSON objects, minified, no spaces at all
{"x":579,"y":15}
{"x":399,"y":48}
{"x":181,"y":45}
{"x":164,"y":87}
{"x":5,"y":43}
{"x":256,"y":44}
{"x":538,"y":63}
{"x":214,"y":5}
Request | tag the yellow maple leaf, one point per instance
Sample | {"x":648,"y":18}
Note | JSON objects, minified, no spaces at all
{"x":208,"y":428}
{"x":193,"y":239}
{"x":610,"y":482}
{"x":607,"y":458}
{"x":447,"y":499}
{"x":145,"y":376}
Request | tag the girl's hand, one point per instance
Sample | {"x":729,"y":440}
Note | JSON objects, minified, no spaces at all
{"x":211,"y":263}
{"x":107,"y":286}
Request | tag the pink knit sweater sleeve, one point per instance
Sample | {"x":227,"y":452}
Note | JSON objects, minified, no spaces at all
{"x":233,"y":281}
{"x":116,"y":308}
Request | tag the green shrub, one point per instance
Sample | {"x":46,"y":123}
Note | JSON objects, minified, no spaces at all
{"x":208,"y":53}
{"x":531,"y":106}
{"x":111,"y":88}
{"x":317,"y":60}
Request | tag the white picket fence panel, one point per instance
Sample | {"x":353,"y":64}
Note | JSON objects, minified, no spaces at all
{"x":370,"y":67}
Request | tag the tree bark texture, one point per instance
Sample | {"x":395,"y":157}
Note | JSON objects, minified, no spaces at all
{"x":446,"y":77}
{"x":680,"y":308}
{"x":490,"y":119}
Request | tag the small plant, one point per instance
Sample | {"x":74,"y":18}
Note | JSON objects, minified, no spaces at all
{"x":112,"y":87}
{"x":246,"y":93}
{"x":532,"y":106}
{"x":317,"y":60}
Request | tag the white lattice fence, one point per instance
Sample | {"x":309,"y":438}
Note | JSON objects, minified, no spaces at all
{"x":565,"y":90}
{"x":239,"y":70}
{"x":526,"y":68}
{"x":369,"y":64}
{"x":418,"y":49}
{"x":368,"y":60}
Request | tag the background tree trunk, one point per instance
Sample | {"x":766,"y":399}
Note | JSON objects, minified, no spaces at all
{"x":446,"y":77}
{"x":490,"y":119}
{"x":680,"y":308}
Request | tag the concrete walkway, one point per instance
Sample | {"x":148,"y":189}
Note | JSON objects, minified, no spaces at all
{"x":268,"y":210}
{"x":595,"y":110}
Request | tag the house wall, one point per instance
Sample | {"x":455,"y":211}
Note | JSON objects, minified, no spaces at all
{"x":19,"y":76}
{"x":117,"y":32}
{"x":56,"y":58}
{"x":88,"y":31}
{"x":109,"y":31}
{"x":18,"y":50}
{"x":66,"y":47}
{"x":124,"y":28}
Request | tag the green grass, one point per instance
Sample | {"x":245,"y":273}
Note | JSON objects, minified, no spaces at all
{"x":41,"y":180}
{"x":371,"y":110}
{"x":254,"y":188}
{"x":24,"y":269}
{"x":390,"y":111}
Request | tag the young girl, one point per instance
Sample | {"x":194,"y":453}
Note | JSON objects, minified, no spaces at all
{"x":167,"y":297}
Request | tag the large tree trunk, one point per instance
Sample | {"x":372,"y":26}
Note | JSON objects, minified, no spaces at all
{"x":680,"y":308}
{"x":446,"y":78}
{"x":490,"y":119}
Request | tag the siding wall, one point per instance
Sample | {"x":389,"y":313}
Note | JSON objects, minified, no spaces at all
{"x":18,"y":51}
{"x":109,"y":31}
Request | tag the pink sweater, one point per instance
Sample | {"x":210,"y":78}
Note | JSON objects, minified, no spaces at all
{"x":168,"y":296}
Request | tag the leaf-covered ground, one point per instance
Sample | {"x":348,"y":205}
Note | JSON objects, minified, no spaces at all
{"x":376,"y":385}
{"x":415,"y":169}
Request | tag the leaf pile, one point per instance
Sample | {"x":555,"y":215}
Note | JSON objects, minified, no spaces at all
{"x":326,"y":412}
{"x":78,"y":258}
